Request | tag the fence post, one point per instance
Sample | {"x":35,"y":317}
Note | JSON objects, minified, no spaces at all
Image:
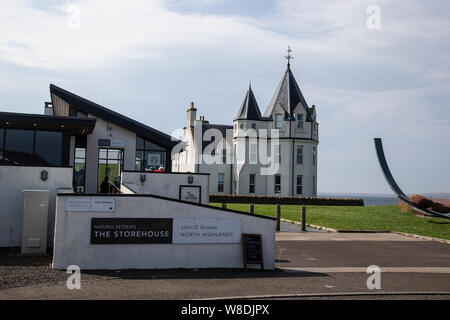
{"x":224,"y":205}
{"x":303,"y":218}
{"x":278,"y":217}
{"x":252,"y":208}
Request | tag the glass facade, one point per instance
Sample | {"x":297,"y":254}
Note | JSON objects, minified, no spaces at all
{"x":79,"y":164}
{"x":34,"y":147}
{"x":44,"y":146}
{"x":110,"y":164}
{"x":74,"y":112}
{"x":149,"y":156}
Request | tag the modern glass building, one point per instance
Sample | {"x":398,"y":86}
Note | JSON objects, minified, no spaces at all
{"x":75,"y":132}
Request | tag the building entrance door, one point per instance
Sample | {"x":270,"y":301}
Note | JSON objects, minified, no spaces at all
{"x":110,"y":164}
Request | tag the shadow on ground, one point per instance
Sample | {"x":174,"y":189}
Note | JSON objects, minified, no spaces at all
{"x":22,"y":271}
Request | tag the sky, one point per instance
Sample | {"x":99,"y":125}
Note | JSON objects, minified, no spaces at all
{"x":148,"y":59}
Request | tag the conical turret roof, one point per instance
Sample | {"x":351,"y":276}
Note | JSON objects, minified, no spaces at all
{"x":249,"y":109}
{"x":288,"y":96}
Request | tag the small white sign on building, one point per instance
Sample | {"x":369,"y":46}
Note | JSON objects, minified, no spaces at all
{"x":103,"y":204}
{"x":190,"y":193}
{"x":78,"y":204}
{"x":206,"y":230}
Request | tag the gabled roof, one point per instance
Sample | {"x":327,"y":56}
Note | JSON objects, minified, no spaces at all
{"x":221,"y":127}
{"x":288,"y":95}
{"x":101,"y":112}
{"x":249,"y":109}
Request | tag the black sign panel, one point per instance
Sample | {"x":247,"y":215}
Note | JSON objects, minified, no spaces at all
{"x":131,"y":230}
{"x":252,"y":249}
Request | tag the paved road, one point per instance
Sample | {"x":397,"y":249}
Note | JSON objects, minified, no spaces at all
{"x":309,"y":263}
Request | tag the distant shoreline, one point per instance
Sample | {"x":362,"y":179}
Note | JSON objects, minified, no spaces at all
{"x":379,"y":199}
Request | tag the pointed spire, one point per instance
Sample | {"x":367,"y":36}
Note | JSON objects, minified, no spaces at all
{"x":288,"y":95}
{"x":249,"y":109}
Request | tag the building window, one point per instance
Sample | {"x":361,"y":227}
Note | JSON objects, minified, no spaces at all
{"x":149,"y":156}
{"x":251,"y":184}
{"x":277,"y":183}
{"x":79,"y":170}
{"x":74,"y":112}
{"x":220,"y":182}
{"x":19,"y":142}
{"x":44,"y":146}
{"x":34,"y":147}
{"x":314,"y":156}
{"x":299,"y":154}
{"x":224,"y":156}
{"x":299,"y":121}
{"x":299,"y":184}
{"x":110,"y":163}
{"x":254,"y":126}
{"x":79,"y":164}
{"x":278,"y":121}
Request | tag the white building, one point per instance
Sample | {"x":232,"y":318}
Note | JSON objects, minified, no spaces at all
{"x":236,"y":157}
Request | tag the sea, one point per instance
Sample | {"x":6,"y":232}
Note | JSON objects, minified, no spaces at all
{"x":379,"y":199}
{"x":369,"y":199}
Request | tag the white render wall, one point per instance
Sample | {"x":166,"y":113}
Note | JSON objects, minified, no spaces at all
{"x":100,"y":132}
{"x":237,"y":178}
{"x":72,"y":238}
{"x":16,"y":179}
{"x":165,"y":184}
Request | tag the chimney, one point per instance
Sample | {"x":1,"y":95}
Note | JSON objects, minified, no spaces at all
{"x":191,"y":116}
{"x":202,"y":120}
{"x":48,"y":109}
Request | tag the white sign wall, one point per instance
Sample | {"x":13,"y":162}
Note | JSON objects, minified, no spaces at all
{"x":83,"y":204}
{"x":206,"y":230}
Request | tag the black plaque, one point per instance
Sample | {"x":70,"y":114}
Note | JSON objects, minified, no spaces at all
{"x":131,"y":230}
{"x":252,"y":249}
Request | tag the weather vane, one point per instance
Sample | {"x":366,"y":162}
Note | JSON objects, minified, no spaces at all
{"x":289,"y":57}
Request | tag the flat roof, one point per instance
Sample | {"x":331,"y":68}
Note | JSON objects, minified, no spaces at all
{"x":76,"y":126}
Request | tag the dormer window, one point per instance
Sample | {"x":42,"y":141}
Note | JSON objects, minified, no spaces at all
{"x":299,"y":121}
{"x":278,"y":121}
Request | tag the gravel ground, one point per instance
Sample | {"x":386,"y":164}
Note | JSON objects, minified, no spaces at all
{"x":22,"y":271}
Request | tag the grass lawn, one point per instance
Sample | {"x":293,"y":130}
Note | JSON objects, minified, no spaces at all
{"x":386,"y":218}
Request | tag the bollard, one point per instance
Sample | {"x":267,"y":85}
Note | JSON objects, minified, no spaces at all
{"x":224,"y":205}
{"x":278,"y":217}
{"x":252,"y":208}
{"x":303,"y":218}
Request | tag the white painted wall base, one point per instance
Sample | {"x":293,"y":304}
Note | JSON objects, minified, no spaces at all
{"x":14,"y":180}
{"x":73,"y":245}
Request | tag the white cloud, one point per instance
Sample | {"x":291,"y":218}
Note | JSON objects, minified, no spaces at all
{"x":393,"y":81}
{"x":111,"y":31}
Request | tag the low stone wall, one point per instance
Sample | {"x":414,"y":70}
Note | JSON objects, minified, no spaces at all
{"x":313,"y":201}
{"x":76,"y":242}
